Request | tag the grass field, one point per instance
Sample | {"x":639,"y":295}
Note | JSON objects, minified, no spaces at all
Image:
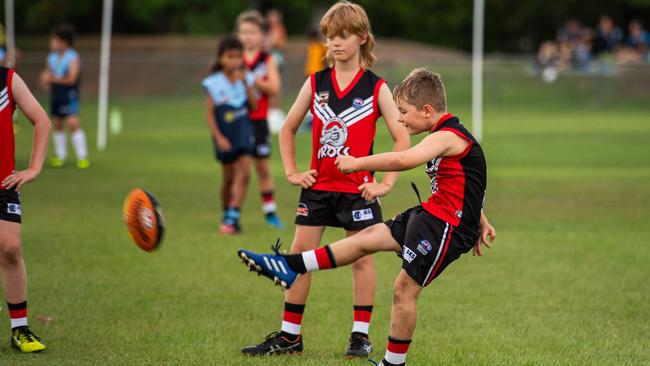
{"x":568,"y":281}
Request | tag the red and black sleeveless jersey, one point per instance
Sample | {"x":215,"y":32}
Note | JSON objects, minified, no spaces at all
{"x":344,"y":124}
{"x":7,"y":107}
{"x":259,"y":68}
{"x":457,"y":182}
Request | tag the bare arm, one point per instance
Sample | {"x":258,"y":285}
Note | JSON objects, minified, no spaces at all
{"x":222,"y":141}
{"x":288,"y":138}
{"x":71,"y":77}
{"x":487,"y":234}
{"x":441,"y":143}
{"x":271,"y":84}
{"x":42,"y":126}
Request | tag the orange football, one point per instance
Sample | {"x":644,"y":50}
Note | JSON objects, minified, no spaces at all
{"x":143,"y":219}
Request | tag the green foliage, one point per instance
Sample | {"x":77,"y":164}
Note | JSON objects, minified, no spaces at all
{"x":511,"y":25}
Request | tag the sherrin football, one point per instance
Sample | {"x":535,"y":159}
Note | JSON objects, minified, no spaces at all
{"x":144,"y":219}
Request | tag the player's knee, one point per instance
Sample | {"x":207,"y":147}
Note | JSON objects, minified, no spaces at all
{"x":403,"y":292}
{"x":10,"y":251}
{"x":73,"y":124}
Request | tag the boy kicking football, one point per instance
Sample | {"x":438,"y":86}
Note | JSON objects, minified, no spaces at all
{"x":429,"y":236}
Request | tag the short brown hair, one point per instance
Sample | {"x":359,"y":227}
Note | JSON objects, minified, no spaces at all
{"x":252,"y":16}
{"x":422,"y":87}
{"x":346,"y":16}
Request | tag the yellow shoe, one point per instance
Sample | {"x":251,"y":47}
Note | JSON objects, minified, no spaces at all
{"x":24,"y":340}
{"x":83,"y":164}
{"x":56,"y":162}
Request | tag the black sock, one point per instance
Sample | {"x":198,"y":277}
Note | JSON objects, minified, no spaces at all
{"x":296,"y":262}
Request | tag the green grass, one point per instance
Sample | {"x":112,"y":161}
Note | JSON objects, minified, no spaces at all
{"x":566,"y":283}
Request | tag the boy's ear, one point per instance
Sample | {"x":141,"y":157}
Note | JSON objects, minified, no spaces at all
{"x":428,"y":110}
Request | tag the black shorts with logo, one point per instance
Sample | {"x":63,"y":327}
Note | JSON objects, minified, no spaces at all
{"x":262,"y":136}
{"x":428,"y":244}
{"x":10,"y":206}
{"x":347,"y":210}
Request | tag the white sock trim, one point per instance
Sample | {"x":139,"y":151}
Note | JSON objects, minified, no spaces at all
{"x":269,"y":207}
{"x":18,"y":322}
{"x":290,"y":328}
{"x":396,"y":358}
{"x":309,"y":257}
{"x":360,"y":327}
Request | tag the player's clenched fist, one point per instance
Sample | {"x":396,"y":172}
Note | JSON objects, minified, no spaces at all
{"x":346,"y":164}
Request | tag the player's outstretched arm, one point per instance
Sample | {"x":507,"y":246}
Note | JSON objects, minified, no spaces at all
{"x":288,"y":139}
{"x":42,"y":126}
{"x":401,"y":139}
{"x":487,"y":234}
{"x":441,"y":143}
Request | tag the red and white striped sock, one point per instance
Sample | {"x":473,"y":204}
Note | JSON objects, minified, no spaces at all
{"x":292,"y":318}
{"x":396,"y":351}
{"x":18,"y":314}
{"x":362,"y":316}
{"x":268,"y":203}
{"x":319,"y":259}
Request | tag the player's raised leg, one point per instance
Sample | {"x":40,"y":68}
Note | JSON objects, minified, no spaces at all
{"x":364,"y":285}
{"x":284,"y":269}
{"x":14,"y":282}
{"x":289,"y":339}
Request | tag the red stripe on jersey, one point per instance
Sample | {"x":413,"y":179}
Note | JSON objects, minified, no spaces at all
{"x":290,"y":317}
{"x":347,"y":89}
{"x":16,"y":314}
{"x":362,"y":316}
{"x":441,"y":121}
{"x":322,"y":258}
{"x":7,"y":143}
{"x":399,"y":348}
{"x":442,"y":257}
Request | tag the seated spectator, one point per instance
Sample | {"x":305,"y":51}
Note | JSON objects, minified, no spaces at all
{"x":575,"y":45}
{"x":608,"y":37}
{"x":636,"y":44}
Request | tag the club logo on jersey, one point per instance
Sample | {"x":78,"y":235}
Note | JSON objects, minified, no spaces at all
{"x":332,"y":139}
{"x":14,"y":209}
{"x":362,"y":215}
{"x":357,"y":103}
{"x":459,"y":214}
{"x":323,"y":98}
{"x":302,"y":209}
{"x":424,"y":247}
{"x":432,"y":172}
{"x":408,"y":254}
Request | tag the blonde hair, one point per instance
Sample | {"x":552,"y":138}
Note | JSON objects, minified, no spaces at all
{"x":252,"y":16}
{"x":346,"y":16}
{"x":422,"y":87}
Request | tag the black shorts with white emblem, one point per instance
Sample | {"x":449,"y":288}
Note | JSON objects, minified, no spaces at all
{"x":428,"y":244}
